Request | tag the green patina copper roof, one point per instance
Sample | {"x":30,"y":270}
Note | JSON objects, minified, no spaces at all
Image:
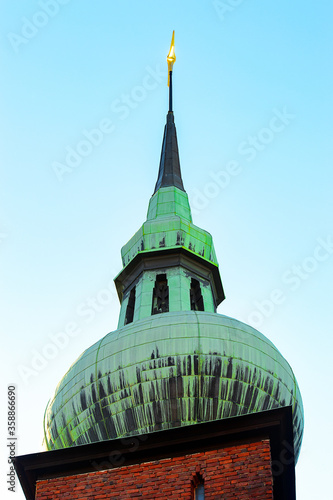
{"x":167,"y":202}
{"x":167,"y":371}
{"x":169,"y":225}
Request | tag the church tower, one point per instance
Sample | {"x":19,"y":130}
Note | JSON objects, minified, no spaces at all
{"x":173,"y":362}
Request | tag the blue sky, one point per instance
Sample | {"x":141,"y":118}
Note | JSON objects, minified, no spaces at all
{"x":83,"y":105}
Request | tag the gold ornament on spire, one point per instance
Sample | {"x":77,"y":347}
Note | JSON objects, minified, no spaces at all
{"x":171,"y":57}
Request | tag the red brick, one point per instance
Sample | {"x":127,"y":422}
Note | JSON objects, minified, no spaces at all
{"x":237,"y":472}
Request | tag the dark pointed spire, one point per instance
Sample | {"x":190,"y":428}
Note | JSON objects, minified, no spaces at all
{"x":169,"y":172}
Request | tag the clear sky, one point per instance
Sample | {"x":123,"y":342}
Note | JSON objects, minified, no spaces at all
{"x":83,"y":104}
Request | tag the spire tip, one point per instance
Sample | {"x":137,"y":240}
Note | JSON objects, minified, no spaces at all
{"x":171,"y":57}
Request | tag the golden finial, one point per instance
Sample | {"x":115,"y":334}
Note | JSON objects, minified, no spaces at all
{"x":171,"y":57}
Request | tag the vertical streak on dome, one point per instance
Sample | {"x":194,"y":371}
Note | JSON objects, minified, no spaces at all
{"x":97,"y":377}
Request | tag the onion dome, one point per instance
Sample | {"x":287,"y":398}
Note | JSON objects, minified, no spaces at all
{"x":170,"y":370}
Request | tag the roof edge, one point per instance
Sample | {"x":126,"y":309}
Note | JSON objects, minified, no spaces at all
{"x":275,"y":424}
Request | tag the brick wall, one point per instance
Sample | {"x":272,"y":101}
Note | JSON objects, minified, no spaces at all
{"x":234,"y":473}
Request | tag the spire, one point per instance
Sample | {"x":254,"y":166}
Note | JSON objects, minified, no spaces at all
{"x":169,"y":173}
{"x":168,"y":251}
